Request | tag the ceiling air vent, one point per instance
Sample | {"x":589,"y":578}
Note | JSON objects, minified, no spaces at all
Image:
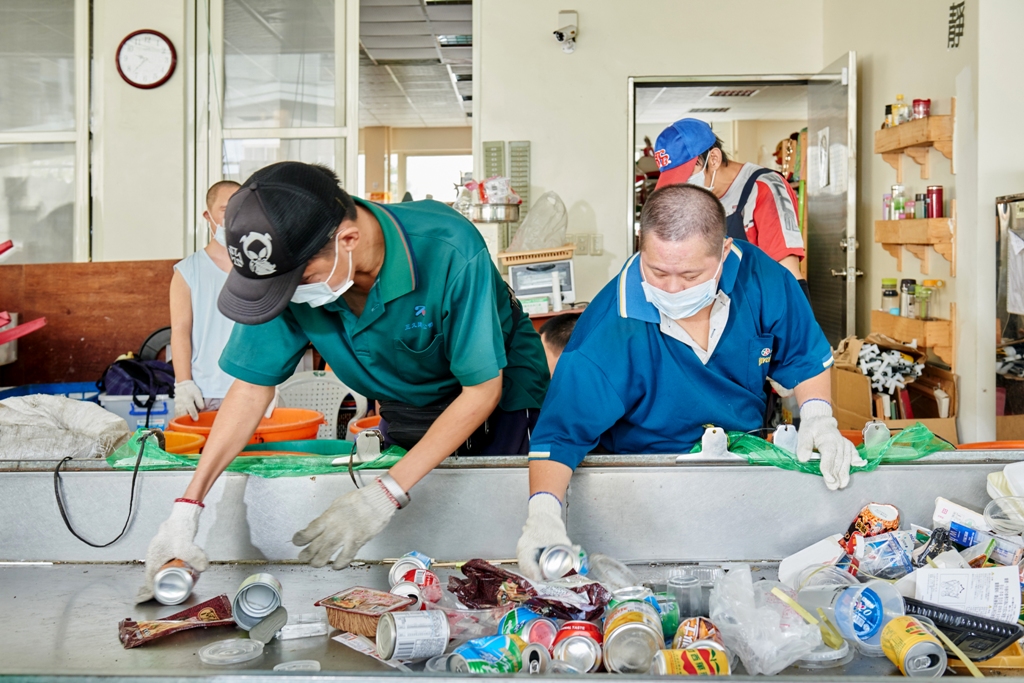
{"x":709,"y":110}
{"x":734,"y":93}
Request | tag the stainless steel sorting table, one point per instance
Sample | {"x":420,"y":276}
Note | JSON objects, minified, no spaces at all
{"x":61,"y":619}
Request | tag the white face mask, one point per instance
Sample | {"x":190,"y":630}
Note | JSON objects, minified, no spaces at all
{"x":317,"y":294}
{"x":686,"y":303}
{"x":220,"y":236}
{"x":698,"y":178}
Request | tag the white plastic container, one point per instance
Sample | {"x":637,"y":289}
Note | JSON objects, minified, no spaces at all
{"x":123,"y":406}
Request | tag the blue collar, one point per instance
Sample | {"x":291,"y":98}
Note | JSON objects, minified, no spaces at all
{"x":631,"y":300}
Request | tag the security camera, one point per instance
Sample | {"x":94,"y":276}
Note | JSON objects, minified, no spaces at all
{"x":567,"y":37}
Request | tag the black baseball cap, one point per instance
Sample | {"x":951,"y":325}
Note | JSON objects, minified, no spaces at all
{"x":277,"y":220}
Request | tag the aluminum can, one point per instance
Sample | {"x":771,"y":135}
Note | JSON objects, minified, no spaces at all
{"x":411,"y":560}
{"x":412,"y":635}
{"x":174,"y":582}
{"x":909,"y":645}
{"x":490,"y":655}
{"x":935,"y":205}
{"x":632,"y":636}
{"x":669,"y":610}
{"x":578,"y":644}
{"x":257,"y":597}
{"x":536,"y":659}
{"x":696,"y":630}
{"x":558,"y":560}
{"x":427,"y":581}
{"x":409,"y":589}
{"x":691,"y":662}
{"x":530,"y":626}
{"x":633,"y":593}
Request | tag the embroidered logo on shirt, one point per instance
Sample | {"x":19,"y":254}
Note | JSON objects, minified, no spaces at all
{"x":421,"y":310}
{"x":766,"y":357}
{"x":257,"y":247}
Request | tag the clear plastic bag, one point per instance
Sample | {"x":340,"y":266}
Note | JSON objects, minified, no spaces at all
{"x":757,"y":626}
{"x":544,"y":227}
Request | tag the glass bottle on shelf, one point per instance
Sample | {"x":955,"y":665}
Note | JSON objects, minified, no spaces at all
{"x":898,"y":202}
{"x":890,"y":296}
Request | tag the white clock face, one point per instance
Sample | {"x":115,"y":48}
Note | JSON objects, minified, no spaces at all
{"x":145,"y":59}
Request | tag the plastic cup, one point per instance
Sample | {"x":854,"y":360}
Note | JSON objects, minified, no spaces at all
{"x":859,"y":612}
{"x":688,"y":593}
{"x":824,"y":575}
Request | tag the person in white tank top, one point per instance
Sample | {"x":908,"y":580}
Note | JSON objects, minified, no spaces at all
{"x":199,"y":331}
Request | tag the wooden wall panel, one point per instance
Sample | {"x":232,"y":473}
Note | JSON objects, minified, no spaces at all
{"x":94,"y":312}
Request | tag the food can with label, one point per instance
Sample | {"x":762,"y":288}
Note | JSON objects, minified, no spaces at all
{"x":909,"y":645}
{"x":558,"y":560}
{"x":632,"y":636}
{"x":536,"y":659}
{"x":696,"y":630}
{"x":691,"y":662}
{"x":411,"y":560}
{"x":490,"y":655}
{"x":257,"y":597}
{"x":528,"y":625}
{"x":174,"y":582}
{"x":409,"y":589}
{"x":412,"y":635}
{"x":426,"y":581}
{"x":578,"y":644}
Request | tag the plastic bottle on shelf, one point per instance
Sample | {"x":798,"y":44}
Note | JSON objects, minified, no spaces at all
{"x":920,"y":206}
{"x":898,"y":204}
{"x":890,"y":296}
{"x":901,"y":110}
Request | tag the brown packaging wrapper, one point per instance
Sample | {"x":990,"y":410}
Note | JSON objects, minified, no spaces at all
{"x":215,"y":612}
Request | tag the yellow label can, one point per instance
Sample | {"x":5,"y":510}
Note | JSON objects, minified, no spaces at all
{"x":912,"y":648}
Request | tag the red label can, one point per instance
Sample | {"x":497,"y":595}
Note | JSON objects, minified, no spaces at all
{"x":426,"y":581}
{"x":935,"y":206}
{"x":575,"y":628}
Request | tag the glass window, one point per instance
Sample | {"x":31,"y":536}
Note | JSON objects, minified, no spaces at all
{"x":37,"y":202}
{"x":242,"y":158}
{"x":37,"y":65}
{"x":279,"y":69}
{"x":438,"y":176}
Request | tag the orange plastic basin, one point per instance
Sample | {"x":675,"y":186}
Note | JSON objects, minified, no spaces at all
{"x":992,"y":446}
{"x":286,"y":424}
{"x":183,"y":443}
{"x":855,"y":436}
{"x":364,"y":423}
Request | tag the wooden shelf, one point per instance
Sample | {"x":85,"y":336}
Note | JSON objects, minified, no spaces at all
{"x":938,"y":335}
{"x":914,"y":139}
{"x":917,"y":234}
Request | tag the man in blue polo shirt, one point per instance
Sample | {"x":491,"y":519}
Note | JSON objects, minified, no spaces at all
{"x":685,"y":336}
{"x":405,"y":305}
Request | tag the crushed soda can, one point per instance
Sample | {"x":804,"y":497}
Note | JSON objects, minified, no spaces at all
{"x":558,"y":560}
{"x":873,"y":519}
{"x":530,"y":626}
{"x":490,"y":655}
{"x":411,"y":560}
{"x":696,"y":630}
{"x":578,"y":643}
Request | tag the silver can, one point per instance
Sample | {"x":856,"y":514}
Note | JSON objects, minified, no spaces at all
{"x":257,"y":597}
{"x":580,"y":652}
{"x":536,"y":659}
{"x":412,"y":635}
{"x":412,"y":560}
{"x":410,"y":590}
{"x":558,"y":560}
{"x":174,"y":582}
{"x":632,"y":636}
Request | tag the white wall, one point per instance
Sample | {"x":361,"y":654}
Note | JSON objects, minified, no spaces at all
{"x":756,"y":140}
{"x":572,"y":107}
{"x":138,"y":202}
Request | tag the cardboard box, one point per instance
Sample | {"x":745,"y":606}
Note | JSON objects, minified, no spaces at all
{"x":1009,"y":427}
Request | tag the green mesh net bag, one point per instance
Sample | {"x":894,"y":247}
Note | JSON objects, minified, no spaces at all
{"x":282,"y":459}
{"x":913,"y":443}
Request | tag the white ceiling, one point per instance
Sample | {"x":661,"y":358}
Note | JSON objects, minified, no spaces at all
{"x":664,"y":105}
{"x":407,"y":78}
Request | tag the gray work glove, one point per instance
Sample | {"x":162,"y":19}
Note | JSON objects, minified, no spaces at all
{"x":820,"y":431}
{"x":174,"y":540}
{"x":350,"y":521}
{"x":188,"y":399}
{"x":544,"y":527}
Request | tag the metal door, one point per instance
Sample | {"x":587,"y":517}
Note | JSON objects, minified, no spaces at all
{"x":832,"y":197}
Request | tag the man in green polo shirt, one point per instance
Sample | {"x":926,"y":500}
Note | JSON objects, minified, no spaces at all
{"x":405,"y":305}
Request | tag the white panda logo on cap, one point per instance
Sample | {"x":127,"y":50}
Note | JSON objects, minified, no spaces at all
{"x":258,"y":258}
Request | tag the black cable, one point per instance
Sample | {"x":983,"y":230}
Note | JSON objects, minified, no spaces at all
{"x":58,"y":487}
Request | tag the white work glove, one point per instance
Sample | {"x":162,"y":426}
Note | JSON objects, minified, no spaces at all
{"x":544,"y":527}
{"x":174,"y":540}
{"x":820,"y":431}
{"x":188,"y":399}
{"x":351,"y":521}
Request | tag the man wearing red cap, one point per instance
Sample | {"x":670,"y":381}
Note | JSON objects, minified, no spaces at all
{"x":760,"y":206}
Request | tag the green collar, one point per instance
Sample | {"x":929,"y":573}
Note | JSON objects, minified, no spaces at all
{"x":398,"y":274}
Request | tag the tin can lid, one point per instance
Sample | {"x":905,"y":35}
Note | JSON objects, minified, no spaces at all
{"x":231,"y":651}
{"x":580,"y":652}
{"x":630,"y":648}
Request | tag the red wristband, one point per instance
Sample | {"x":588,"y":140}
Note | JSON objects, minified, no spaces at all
{"x":189,"y":500}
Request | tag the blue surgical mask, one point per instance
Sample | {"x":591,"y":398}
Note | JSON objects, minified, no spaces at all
{"x":686,"y":303}
{"x":317,"y":294}
{"x":220,"y":236}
